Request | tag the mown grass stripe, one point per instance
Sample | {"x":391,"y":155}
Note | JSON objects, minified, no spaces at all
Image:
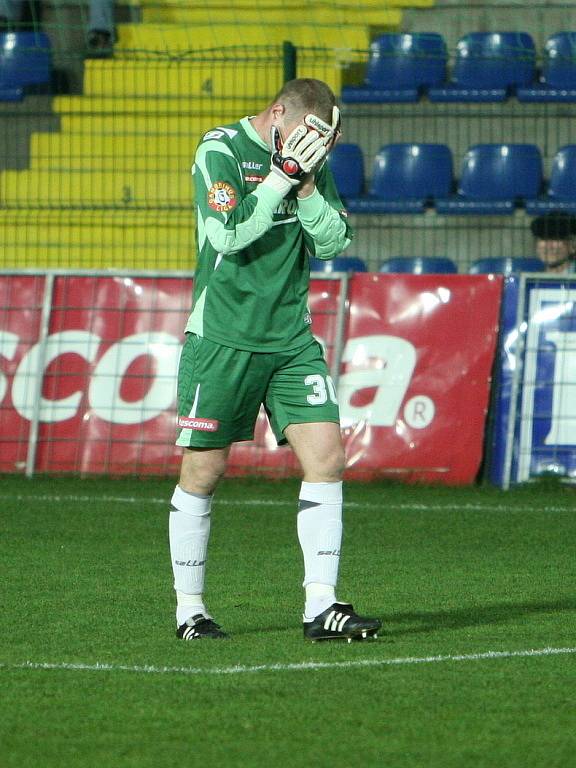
{"x":304,"y":666}
{"x":386,"y":504}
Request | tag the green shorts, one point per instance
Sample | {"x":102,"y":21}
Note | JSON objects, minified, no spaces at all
{"x":220,"y":391}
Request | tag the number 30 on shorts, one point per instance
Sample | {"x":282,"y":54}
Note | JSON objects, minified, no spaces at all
{"x":322,"y":389}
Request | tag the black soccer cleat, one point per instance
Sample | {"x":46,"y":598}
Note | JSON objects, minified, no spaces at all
{"x":199,"y":626}
{"x":340,"y":622}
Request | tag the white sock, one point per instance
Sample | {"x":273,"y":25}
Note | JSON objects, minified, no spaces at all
{"x":189,"y":533}
{"x":188,"y":605}
{"x":320,"y":536}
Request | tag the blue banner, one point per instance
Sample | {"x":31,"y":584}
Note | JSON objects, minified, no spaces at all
{"x":534,"y":416}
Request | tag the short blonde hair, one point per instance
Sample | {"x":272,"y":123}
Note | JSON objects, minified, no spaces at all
{"x":304,"y":95}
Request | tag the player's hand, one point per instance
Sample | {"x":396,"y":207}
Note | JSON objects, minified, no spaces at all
{"x":330,"y":133}
{"x":300,"y":155}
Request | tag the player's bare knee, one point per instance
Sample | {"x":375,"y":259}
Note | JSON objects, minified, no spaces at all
{"x":201,"y":471}
{"x":337,"y":464}
{"x":328,"y":468}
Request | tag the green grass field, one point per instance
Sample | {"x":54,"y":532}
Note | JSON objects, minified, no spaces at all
{"x":468,"y":582}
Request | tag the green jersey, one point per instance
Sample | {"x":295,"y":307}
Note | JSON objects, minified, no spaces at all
{"x":252,"y":273}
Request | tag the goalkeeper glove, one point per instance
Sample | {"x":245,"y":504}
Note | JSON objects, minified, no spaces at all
{"x":300,"y":154}
{"x":330,"y":133}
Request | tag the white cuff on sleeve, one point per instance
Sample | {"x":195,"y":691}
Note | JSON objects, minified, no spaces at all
{"x":279,"y":184}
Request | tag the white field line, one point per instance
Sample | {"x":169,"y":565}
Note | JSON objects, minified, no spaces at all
{"x":304,"y":666}
{"x":437,"y":507}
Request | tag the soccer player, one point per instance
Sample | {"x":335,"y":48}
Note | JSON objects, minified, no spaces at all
{"x":555,"y":234}
{"x":265,"y":200}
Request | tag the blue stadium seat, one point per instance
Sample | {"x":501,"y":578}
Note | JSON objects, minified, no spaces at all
{"x":25,"y":60}
{"x":339,"y":264}
{"x":558,"y":78}
{"x":494,"y":179}
{"x":405,"y":178}
{"x":561,"y":192}
{"x":488,"y":67}
{"x":420,"y":265}
{"x":506,"y":265}
{"x":400,"y":67}
{"x":347,"y":164}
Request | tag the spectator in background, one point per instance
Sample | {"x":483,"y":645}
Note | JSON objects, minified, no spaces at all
{"x":100,"y":23}
{"x":555,"y":234}
{"x":101,"y":27}
{"x":11,"y":12}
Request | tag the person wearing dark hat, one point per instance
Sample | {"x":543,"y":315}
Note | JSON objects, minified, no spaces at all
{"x":555,"y":234}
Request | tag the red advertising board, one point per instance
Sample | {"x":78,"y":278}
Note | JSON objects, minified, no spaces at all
{"x":415,"y":380}
{"x":21,"y":300}
{"x":413,"y":385}
{"x":109,"y":365}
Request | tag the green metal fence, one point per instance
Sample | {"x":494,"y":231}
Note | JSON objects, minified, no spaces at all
{"x":95,"y":163}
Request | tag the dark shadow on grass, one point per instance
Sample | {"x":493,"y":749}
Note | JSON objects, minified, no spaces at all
{"x":424,"y":622}
{"x":470,"y":616}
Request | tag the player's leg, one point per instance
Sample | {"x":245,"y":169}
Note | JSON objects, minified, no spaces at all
{"x":303,"y":409}
{"x":319,"y":523}
{"x":189,"y":532}
{"x":318,"y":447}
{"x":214,"y":411}
{"x":202,"y":468}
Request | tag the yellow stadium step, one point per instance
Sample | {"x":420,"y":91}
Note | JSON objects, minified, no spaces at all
{"x":409,"y":3}
{"x":161,"y":78}
{"x":85,"y":144}
{"x":205,"y":10}
{"x":250,"y":41}
{"x":135,"y":125}
{"x":138,"y":79}
{"x":93,"y":239}
{"x":286,"y":19}
{"x":58,"y":256}
{"x":106,"y":236}
{"x":129,"y":163}
{"x":89,"y":151}
{"x":207,"y":6}
{"x":120,"y":189}
{"x":110,"y":122}
{"x":94,"y":218}
{"x":203,"y":108}
{"x":274,"y":5}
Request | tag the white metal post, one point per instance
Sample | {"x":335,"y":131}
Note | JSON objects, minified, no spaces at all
{"x":38,"y":374}
{"x":340,"y":327}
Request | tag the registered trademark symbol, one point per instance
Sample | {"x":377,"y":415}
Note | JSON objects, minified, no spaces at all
{"x":419,"y":411}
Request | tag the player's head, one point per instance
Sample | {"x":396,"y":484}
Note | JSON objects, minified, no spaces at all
{"x":555,"y":234}
{"x":301,"y":97}
{"x":304,"y":95}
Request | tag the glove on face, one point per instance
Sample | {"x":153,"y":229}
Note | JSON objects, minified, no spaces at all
{"x":300,"y":154}
{"x":330,"y":133}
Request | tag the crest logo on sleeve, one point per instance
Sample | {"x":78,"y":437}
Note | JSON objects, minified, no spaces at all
{"x":221,"y":197}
